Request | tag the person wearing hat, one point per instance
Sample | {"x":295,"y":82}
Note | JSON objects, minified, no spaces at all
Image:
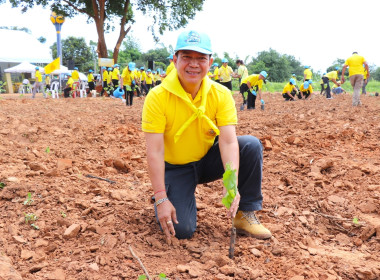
{"x":149,"y":80}
{"x":322,"y":83}
{"x":225,"y":73}
{"x":337,"y":89}
{"x":47,"y":82}
{"x":109,"y":81}
{"x":290,"y":90}
{"x":215,"y":74}
{"x":307,"y":74}
{"x":115,"y":76}
{"x":128,"y":82}
{"x":189,"y":124}
{"x":38,"y":85}
{"x":242,"y":71}
{"x":157,"y":78}
{"x":330,"y":76}
{"x":144,"y":88}
{"x":75,"y":75}
{"x":356,"y":74}
{"x":69,"y":86}
{"x":91,"y":80}
{"x":305,"y":90}
{"x":170,"y":66}
{"x":104,"y":79}
{"x":250,"y":87}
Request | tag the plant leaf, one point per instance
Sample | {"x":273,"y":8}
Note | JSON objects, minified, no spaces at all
{"x":229,"y":182}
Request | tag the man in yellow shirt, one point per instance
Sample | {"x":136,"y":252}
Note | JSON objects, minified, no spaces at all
{"x":307,"y":74}
{"x":356,"y":74}
{"x":242,"y":71}
{"x":75,"y":75}
{"x":128,"y":82}
{"x":38,"y":85}
{"x":305,"y":90}
{"x":330,"y":76}
{"x":250,"y":87}
{"x":69,"y":86}
{"x":157,"y":78}
{"x":144,"y":88}
{"x":189,"y":123}
{"x":215,"y":75}
{"x":171,"y":65}
{"x":105,"y":80}
{"x":149,"y":80}
{"x":115,"y":76}
{"x":290,"y":90}
{"x":225,"y":73}
{"x":90,"y":80}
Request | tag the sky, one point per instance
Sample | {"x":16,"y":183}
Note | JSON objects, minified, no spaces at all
{"x":315,"y":32}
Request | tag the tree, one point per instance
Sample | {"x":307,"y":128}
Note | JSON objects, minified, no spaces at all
{"x":130,"y":51}
{"x":166,"y":15}
{"x":77,"y":50}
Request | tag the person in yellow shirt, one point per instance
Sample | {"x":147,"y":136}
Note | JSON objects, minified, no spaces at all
{"x":90,"y":80}
{"x":215,"y":75}
{"x":356,"y":74}
{"x":242,"y":71}
{"x":321,"y":82}
{"x":69,"y":86}
{"x":337,"y":89}
{"x":149,"y":80}
{"x":115,"y":76}
{"x":75,"y":75}
{"x":307,"y":74}
{"x":128,"y":82}
{"x":171,"y":65}
{"x":144,"y":88}
{"x":109,"y":81}
{"x":330,"y":76}
{"x":105,"y":80}
{"x":225,"y":74}
{"x":305,"y":90}
{"x":38,"y":85}
{"x":250,"y":87}
{"x":289,"y":92}
{"x":365,"y":80}
{"x":189,"y":125}
{"x":47,"y":82}
{"x":157,"y":78}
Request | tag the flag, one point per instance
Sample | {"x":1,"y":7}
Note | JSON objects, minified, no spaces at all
{"x":52,"y":66}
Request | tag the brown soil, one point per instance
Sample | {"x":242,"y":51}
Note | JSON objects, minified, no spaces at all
{"x":321,"y":170}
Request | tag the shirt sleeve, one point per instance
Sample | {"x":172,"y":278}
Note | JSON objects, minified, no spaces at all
{"x":153,"y":117}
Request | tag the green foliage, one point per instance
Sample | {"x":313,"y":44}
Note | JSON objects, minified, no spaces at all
{"x":29,"y":200}
{"x":77,"y":50}
{"x":160,"y":276}
{"x":130,"y":51}
{"x":229,"y":182}
{"x":41,"y":39}
{"x":2,"y":185}
{"x":63,"y":214}
{"x":30,"y":217}
{"x":2,"y":86}
{"x":47,"y":150}
{"x":355,"y":221}
{"x":157,"y":55}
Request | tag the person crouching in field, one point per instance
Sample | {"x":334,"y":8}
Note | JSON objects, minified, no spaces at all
{"x":189,"y":123}
{"x":337,"y":89}
{"x":290,"y":90}
{"x":69,"y":86}
{"x":250,"y":87}
{"x":330,"y":76}
{"x":305,"y":90}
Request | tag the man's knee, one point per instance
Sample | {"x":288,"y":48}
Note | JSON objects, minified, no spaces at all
{"x":184,"y":230}
{"x":250,"y":144}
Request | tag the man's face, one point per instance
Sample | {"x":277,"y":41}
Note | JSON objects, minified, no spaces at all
{"x":192,"y":66}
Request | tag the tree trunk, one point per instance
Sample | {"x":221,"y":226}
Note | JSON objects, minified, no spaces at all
{"x":99,"y":17}
{"x":123,"y":32}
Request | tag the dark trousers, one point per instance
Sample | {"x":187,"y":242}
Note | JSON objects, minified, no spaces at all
{"x":148,"y":86}
{"x":286,"y":96}
{"x":158,"y":82}
{"x":363,"y":87}
{"x":227,"y":84}
{"x":91,"y":86}
{"x":181,"y":181}
{"x":115,"y":83}
{"x":326,"y":81}
{"x":66,"y":92}
{"x":322,"y":88}
{"x":305,"y":93}
{"x":103,"y":88}
{"x":251,"y":99}
{"x":243,"y":89}
{"x":128,"y":96}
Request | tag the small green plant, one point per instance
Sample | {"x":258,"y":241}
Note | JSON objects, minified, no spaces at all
{"x":160,"y":276}
{"x":30,"y":217}
{"x":21,"y":95}
{"x":29,"y":200}
{"x":2,"y":185}
{"x":229,"y":182}
{"x":47,"y":150}
{"x":63,"y":214}
{"x":355,"y":221}
{"x":2,"y":86}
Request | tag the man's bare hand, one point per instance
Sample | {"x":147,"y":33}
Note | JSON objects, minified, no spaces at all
{"x":166,"y":214}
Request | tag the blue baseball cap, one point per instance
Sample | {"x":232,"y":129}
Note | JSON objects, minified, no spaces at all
{"x":292,"y":81}
{"x":142,"y":68}
{"x":103,"y":68}
{"x":224,"y":60}
{"x":37,"y":68}
{"x":170,"y":57}
{"x":194,"y":41}
{"x":75,"y":68}
{"x":310,"y":82}
{"x":336,"y":68}
{"x":131,"y":66}
{"x":154,"y":72}
{"x":90,"y":71}
{"x":215,"y":64}
{"x":306,"y":85}
{"x":116,"y":65}
{"x":148,"y":70}
{"x":264,"y":74}
{"x":109,"y":69}
{"x":293,"y":75}
{"x":306,"y":66}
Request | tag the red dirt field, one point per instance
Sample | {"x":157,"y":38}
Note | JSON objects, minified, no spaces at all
{"x":321,"y":189}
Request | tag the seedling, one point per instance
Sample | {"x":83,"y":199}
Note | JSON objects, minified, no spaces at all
{"x":355,"y":221}
{"x":47,"y":150}
{"x":160,"y":276}
{"x":2,"y":185}
{"x":30,"y":217}
{"x":63,"y":214}
{"x":29,"y":200}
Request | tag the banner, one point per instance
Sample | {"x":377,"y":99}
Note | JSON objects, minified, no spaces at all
{"x":52,"y":66}
{"x":108,"y":62}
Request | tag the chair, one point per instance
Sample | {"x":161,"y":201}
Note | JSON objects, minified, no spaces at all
{"x":82,"y":90}
{"x":54,"y":89}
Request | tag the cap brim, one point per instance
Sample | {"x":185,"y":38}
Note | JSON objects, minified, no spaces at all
{"x":194,"y":48}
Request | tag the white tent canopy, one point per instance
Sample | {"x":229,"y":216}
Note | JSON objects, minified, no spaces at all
{"x":18,"y":46}
{"x":65,"y":70}
{"x":24,"y":67}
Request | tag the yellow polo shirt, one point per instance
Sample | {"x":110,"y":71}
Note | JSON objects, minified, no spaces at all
{"x":243,"y":72}
{"x":90,"y":78}
{"x":105,"y":76}
{"x":149,"y":79}
{"x":70,"y":82}
{"x":142,"y":76}
{"x":253,"y":80}
{"x":308,"y":73}
{"x":288,"y":88}
{"x":333,"y":75}
{"x":127,"y":77}
{"x":115,"y":74}
{"x":306,"y":89}
{"x":365,"y":74}
{"x":170,"y":68}
{"x":75,"y":75}
{"x":225,"y":74}
{"x":38,"y":76}
{"x":216,"y":73}
{"x":355,"y":64}
{"x":109,"y":77}
{"x":167,"y":107}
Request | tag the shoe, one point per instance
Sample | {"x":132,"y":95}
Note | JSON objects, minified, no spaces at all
{"x":242,"y":107}
{"x":247,"y":223}
{"x":329,"y":98}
